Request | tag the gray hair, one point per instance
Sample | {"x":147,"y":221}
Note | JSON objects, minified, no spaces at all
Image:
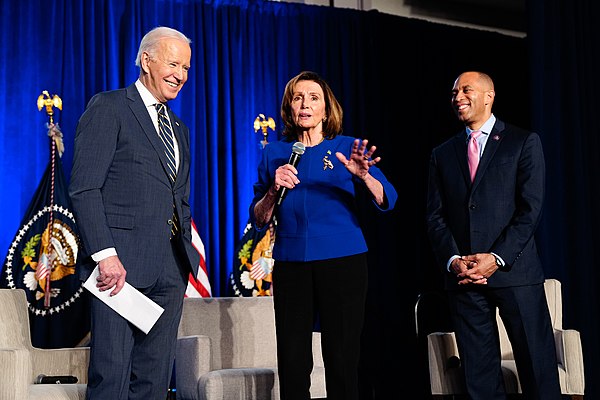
{"x":149,"y":43}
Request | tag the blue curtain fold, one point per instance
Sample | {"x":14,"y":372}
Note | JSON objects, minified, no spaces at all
{"x":564,"y":43}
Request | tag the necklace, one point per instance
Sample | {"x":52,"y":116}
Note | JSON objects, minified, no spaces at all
{"x":318,"y":143}
{"x":313,"y":145}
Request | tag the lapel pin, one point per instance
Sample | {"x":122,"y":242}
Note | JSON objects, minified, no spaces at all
{"x":496,"y":137}
{"x":327,"y":162}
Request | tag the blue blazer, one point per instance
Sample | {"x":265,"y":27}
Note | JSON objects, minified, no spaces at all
{"x":499,"y":212}
{"x":121,"y":194}
{"x":318,"y":219}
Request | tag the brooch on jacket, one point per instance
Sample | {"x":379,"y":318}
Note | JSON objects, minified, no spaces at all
{"x":327,"y":162}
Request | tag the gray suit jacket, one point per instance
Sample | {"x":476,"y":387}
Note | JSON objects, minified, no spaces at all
{"x":121,"y":194}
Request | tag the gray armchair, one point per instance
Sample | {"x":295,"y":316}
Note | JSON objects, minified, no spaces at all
{"x":22,"y":363}
{"x":446,"y":377}
{"x":226,"y":350}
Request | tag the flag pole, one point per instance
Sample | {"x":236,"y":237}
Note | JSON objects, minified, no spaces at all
{"x":44,"y":269}
{"x":251,"y":275}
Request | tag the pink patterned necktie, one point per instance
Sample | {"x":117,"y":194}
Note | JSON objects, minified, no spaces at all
{"x":473,"y":153}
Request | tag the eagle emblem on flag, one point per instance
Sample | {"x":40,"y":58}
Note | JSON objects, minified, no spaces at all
{"x":252,"y":275}
{"x":48,"y":256}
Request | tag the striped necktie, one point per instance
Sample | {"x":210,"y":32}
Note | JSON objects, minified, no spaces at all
{"x":165,"y":132}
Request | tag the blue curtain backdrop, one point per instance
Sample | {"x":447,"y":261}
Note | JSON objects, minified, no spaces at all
{"x":393,"y":77}
{"x":243,"y":54}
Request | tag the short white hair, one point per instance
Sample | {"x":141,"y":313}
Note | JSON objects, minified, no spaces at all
{"x":149,"y":43}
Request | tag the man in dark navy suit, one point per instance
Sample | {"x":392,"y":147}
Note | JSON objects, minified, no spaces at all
{"x":485,"y":196}
{"x":130,"y":186}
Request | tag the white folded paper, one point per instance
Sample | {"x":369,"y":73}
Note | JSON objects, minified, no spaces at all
{"x":130,"y":303}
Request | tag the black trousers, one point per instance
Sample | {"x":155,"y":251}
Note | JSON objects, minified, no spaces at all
{"x":334,"y":291}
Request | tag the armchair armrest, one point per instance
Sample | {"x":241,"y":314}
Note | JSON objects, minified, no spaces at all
{"x":316,"y":347}
{"x":569,"y":355}
{"x":193,"y":352}
{"x":16,"y":369}
{"x":444,"y":364}
{"x":72,"y":361}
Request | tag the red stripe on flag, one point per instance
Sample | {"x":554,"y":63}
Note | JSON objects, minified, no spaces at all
{"x":43,"y":267}
{"x":257,"y":271}
{"x":198,"y":286}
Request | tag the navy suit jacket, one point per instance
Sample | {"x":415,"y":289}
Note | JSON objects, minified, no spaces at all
{"x":121,"y":194}
{"x":499,"y":212}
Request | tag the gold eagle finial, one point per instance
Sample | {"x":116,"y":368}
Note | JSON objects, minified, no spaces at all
{"x":44,"y":100}
{"x":262,"y":123}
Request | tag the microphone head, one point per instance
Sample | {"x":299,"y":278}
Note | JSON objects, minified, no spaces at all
{"x":298,"y":148}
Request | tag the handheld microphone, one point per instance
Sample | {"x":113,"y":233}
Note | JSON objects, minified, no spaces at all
{"x":297,"y":151}
{"x":41,"y":378}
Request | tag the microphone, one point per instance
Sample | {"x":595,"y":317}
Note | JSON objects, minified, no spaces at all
{"x":297,"y":151}
{"x":45,"y":379}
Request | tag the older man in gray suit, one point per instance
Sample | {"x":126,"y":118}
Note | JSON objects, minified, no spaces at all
{"x":130,"y":186}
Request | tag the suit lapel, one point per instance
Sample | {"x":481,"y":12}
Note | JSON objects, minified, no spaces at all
{"x":179,"y":137}
{"x":138,"y":108}
{"x":493,"y":141}
{"x":460,"y":147}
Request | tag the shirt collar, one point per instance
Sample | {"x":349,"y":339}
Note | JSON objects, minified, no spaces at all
{"x":147,"y":97}
{"x":486,"y":128}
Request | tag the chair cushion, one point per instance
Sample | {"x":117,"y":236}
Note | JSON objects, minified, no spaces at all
{"x":239,"y":384}
{"x":57,"y":392}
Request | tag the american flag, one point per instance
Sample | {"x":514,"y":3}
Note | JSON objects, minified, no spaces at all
{"x":198,"y":286}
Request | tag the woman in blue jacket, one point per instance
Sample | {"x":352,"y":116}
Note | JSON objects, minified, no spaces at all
{"x":320,"y":251}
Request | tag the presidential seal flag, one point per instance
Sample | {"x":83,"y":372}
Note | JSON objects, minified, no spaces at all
{"x":253,"y":265}
{"x":253,"y":262}
{"x":42,"y":260}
